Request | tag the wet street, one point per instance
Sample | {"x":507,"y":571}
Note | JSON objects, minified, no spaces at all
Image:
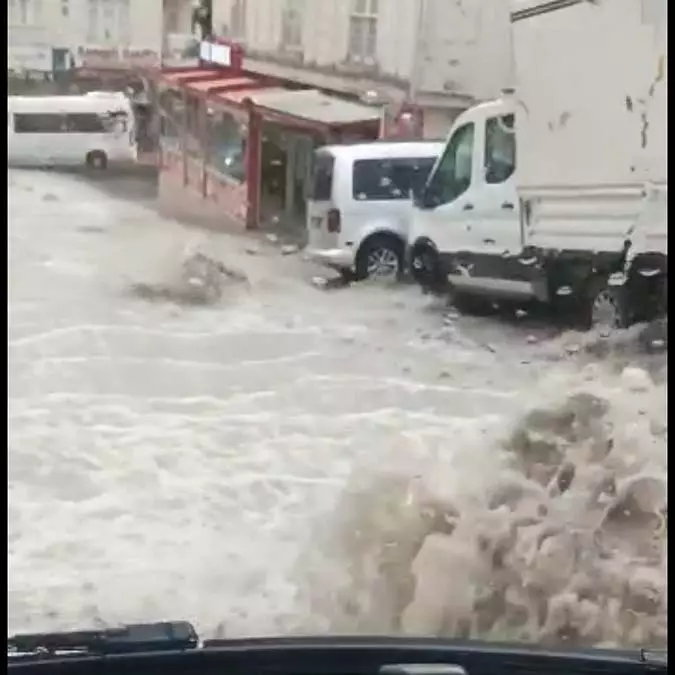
{"x":177,"y":462}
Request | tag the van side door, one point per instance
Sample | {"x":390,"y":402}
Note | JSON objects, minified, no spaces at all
{"x":445,"y":212}
{"x":497,"y":229}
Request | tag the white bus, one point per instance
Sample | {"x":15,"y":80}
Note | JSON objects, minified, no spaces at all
{"x":95,"y":129}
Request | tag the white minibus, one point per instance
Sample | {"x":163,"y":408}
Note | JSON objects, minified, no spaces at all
{"x":95,"y":129}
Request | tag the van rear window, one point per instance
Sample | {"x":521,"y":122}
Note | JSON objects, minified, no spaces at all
{"x":389,"y":179}
{"x":322,"y":177}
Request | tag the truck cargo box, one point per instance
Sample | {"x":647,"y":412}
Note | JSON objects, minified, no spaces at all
{"x":591,"y":86}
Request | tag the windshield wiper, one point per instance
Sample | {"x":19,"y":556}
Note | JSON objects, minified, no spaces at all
{"x":173,"y":648}
{"x":134,"y":638}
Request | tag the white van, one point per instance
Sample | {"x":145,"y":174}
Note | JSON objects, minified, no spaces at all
{"x":581,"y":223}
{"x":359,"y":208}
{"x":94,"y":129}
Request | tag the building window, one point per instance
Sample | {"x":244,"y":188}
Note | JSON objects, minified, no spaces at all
{"x":124,"y":21}
{"x":108,"y":21}
{"x":92,"y":21}
{"x":363,"y":31}
{"x":24,"y":12}
{"x":238,"y":19}
{"x":291,"y":24}
{"x":172,"y":19}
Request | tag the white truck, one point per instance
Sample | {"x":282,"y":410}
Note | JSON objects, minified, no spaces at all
{"x":557,"y":192}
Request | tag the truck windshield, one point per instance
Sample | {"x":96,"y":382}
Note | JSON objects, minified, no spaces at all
{"x":452,"y":175}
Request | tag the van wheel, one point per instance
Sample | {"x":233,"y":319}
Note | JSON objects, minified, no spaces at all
{"x":605,"y":307}
{"x":380,"y":258}
{"x":97,"y":160}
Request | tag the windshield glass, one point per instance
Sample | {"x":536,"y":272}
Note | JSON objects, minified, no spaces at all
{"x":260,"y":389}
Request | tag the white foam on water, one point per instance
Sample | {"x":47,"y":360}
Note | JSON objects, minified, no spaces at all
{"x":296,"y":460}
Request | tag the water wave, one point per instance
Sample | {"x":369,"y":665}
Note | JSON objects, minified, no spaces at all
{"x":553,"y":532}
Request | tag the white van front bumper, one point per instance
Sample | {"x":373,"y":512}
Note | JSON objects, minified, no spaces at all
{"x":337,"y":258}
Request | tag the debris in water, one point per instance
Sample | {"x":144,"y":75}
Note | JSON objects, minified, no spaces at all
{"x":201,"y":281}
{"x":617,"y":279}
{"x":319,"y":282}
{"x":564,"y":291}
{"x":289,"y":249}
{"x":272,"y":238}
{"x":636,"y":379}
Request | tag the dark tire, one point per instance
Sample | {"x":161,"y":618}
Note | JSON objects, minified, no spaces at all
{"x":474,"y":305}
{"x":380,"y":257}
{"x":347,"y":276}
{"x":605,"y":306}
{"x":426,"y":270}
{"x":97,"y":160}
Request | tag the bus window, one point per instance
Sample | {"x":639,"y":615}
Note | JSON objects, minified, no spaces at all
{"x":85,"y":123}
{"x":39,"y":123}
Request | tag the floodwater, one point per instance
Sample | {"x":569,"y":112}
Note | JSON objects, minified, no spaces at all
{"x":293,"y":459}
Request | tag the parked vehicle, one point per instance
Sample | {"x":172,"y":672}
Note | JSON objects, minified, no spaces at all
{"x":580,"y":220}
{"x":95,"y":129}
{"x":359,"y":207}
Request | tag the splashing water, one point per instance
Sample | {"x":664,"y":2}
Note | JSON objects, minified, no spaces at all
{"x":556,"y":533}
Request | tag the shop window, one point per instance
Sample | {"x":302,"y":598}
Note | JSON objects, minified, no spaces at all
{"x":228,"y":146}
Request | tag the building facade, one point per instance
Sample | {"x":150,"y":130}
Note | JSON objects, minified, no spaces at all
{"x":53,"y":35}
{"x":438,"y":55}
{"x":435,"y":57}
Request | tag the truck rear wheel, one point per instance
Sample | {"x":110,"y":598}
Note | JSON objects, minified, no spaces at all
{"x":605,"y":307}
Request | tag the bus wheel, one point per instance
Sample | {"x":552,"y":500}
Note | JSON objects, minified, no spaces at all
{"x":97,"y":160}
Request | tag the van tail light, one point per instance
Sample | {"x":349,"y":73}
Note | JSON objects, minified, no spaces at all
{"x":333,"y":220}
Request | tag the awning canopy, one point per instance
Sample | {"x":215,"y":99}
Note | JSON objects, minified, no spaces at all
{"x":222,"y":83}
{"x":304,"y":108}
